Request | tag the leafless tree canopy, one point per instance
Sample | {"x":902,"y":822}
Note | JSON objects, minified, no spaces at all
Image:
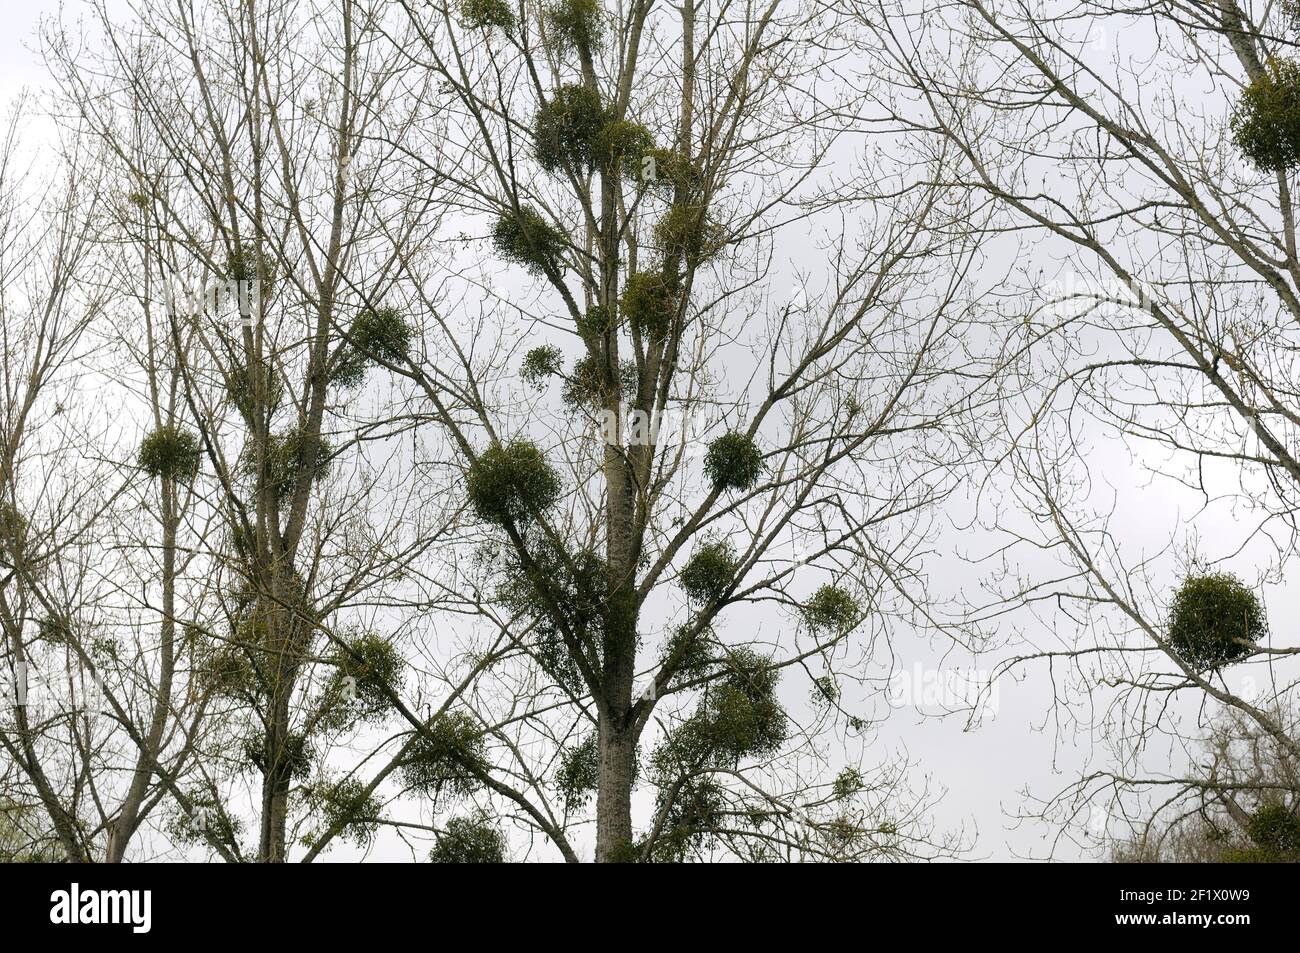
{"x":504,"y":430}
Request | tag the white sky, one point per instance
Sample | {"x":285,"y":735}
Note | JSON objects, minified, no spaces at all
{"x":985,"y":769}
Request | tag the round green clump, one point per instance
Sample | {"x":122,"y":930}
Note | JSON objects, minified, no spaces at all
{"x":469,"y":841}
{"x":345,"y":805}
{"x":229,"y":672}
{"x":693,"y":810}
{"x":596,"y":322}
{"x":171,"y":453}
{"x":240,"y":390}
{"x":847,"y":783}
{"x":246,"y":264}
{"x":567,"y":129}
{"x":825,"y":691}
{"x":686,"y":231}
{"x":376,"y":336}
{"x":292,"y":760}
{"x":1275,"y":829}
{"x":622,"y":145}
{"x":52,"y":631}
{"x":205,"y":821}
{"x":666,"y":171}
{"x":242,"y":264}
{"x":578,"y":774}
{"x":486,"y":14}
{"x":831,"y":609}
{"x":742,"y":715}
{"x":586,"y":385}
{"x":510,"y":482}
{"x":733,"y":462}
{"x":13,"y":526}
{"x":286,"y":454}
{"x":689,"y":652}
{"x":710,"y":572}
{"x":383,"y":334}
{"x":1210,"y":614}
{"x":369,"y":669}
{"x":649,"y":303}
{"x":529,"y":240}
{"x":1266,"y":123}
{"x":575,"y":25}
{"x":574,"y":584}
{"x":446,"y":757}
{"x":739,"y":716}
{"x":541,"y":363}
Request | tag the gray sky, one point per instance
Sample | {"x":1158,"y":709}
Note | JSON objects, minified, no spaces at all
{"x":1019,"y":746}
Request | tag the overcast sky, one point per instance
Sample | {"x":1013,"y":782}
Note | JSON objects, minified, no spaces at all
{"x":1020,"y":746}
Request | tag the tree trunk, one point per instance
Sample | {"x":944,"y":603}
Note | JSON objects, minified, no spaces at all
{"x":121,"y":832}
{"x":617,"y":748}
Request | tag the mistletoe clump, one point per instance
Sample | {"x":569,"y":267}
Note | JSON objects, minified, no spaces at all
{"x":229,"y":671}
{"x":345,"y":806}
{"x":847,"y":783}
{"x":686,"y":231}
{"x":596,"y":322}
{"x":667,"y":171}
{"x":292,"y":760}
{"x":1275,"y":830}
{"x":529,"y":240}
{"x":380,"y":335}
{"x":567,"y":129}
{"x":831,"y":609}
{"x":649,"y":303}
{"x":733,"y":462}
{"x":245,"y":264}
{"x":240,"y":390}
{"x":171,"y":453}
{"x":205,"y":821}
{"x":286,"y":456}
{"x":564,"y":592}
{"x":623,"y":145}
{"x":447,"y":756}
{"x":13,"y":526}
{"x":710,"y":571}
{"x":698,"y":808}
{"x":1215,"y":620}
{"x":585,"y":385}
{"x":541,"y":363}
{"x":486,"y":14}
{"x":1266,"y":124}
{"x":369,"y":669}
{"x":575,"y":25}
{"x":242,"y":264}
{"x":578,"y":774}
{"x":825,"y":691}
{"x":738,"y":717}
{"x":469,"y":841}
{"x":689,"y":652}
{"x":52,"y":631}
{"x":511,"y":481}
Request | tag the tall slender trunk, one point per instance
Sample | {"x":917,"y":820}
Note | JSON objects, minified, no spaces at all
{"x":278,"y":758}
{"x":129,"y":814}
{"x":617,"y":747}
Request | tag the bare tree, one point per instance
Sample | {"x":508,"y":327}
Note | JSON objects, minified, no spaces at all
{"x":264,"y":230}
{"x":1239,"y":804}
{"x":1163,"y":183}
{"x":698,"y":473}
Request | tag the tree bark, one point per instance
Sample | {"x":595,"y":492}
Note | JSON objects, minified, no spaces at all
{"x":617,"y":747}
